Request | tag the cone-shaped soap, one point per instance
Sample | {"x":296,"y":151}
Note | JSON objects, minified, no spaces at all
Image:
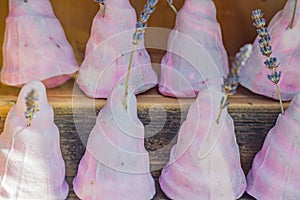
{"x":35,"y":46}
{"x":31,"y":163}
{"x":115,"y":164}
{"x":205,"y":162}
{"x":108,"y":53}
{"x":275,"y":170}
{"x":285,"y":44}
{"x":196,"y":32}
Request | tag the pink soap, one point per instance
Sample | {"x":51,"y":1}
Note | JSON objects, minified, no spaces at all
{"x":108,"y":52}
{"x":31,"y":163}
{"x":205,"y":162}
{"x":286,"y":48}
{"x":196,"y":32}
{"x":35,"y":46}
{"x":116,"y":163}
{"x":275,"y":170}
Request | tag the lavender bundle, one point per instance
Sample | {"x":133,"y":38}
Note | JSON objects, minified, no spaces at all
{"x":32,"y":105}
{"x":102,"y":6}
{"x":232,"y":81}
{"x":266,"y":50}
{"x":291,"y":24}
{"x":171,"y":4}
{"x":138,"y":36}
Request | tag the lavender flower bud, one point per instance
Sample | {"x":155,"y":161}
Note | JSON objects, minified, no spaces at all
{"x":263,"y":32}
{"x":144,"y":16}
{"x":32,"y":106}
{"x":152,"y":3}
{"x":259,"y":23}
{"x":149,"y":9}
{"x":99,"y":1}
{"x":271,"y":63}
{"x":264,"y":41}
{"x":256,"y":14}
{"x":140,"y":27}
{"x":266,"y":50}
{"x":274,"y":77}
{"x":138,"y":37}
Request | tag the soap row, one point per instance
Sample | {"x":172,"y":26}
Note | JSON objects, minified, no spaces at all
{"x":35,"y":48}
{"x":204,"y":163}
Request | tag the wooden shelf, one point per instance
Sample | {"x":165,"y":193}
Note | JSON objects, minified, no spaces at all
{"x":75,"y":115}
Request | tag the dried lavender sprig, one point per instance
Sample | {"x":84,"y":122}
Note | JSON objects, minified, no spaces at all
{"x":138,"y":36}
{"x":266,"y":50}
{"x":102,"y":6}
{"x":32,"y":106}
{"x":291,"y":24}
{"x":171,"y":4}
{"x":232,"y":81}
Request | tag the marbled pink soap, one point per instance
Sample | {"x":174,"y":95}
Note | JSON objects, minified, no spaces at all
{"x":31,"y":163}
{"x":35,"y":46}
{"x":115,"y":164}
{"x":108,"y":52}
{"x":205,"y":162}
{"x":275,"y":170}
{"x":196,"y":32}
{"x":286,"y":48}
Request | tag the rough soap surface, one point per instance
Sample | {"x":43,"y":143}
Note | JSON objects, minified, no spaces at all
{"x":108,"y":52}
{"x":35,"y":46}
{"x":116,"y":163}
{"x":275,"y":170}
{"x":205,"y":162}
{"x":31,"y":163}
{"x":196,"y":54}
